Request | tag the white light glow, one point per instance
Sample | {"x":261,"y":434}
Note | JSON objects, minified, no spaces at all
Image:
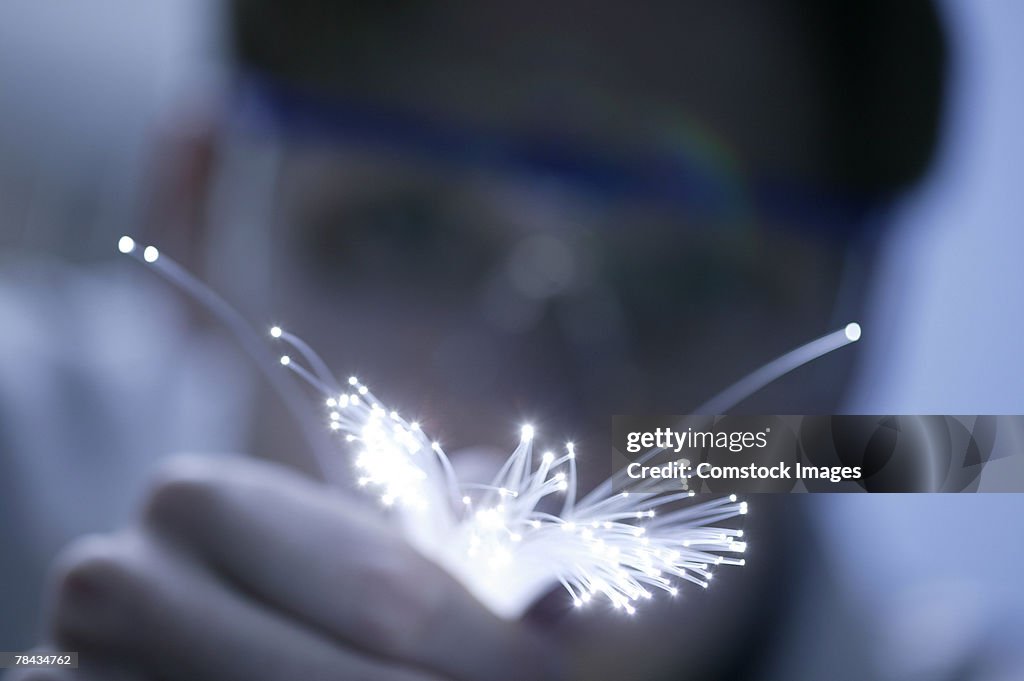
{"x":607,"y":545}
{"x":525,"y":530}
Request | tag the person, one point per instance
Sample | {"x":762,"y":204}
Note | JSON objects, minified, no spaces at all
{"x":477,"y":207}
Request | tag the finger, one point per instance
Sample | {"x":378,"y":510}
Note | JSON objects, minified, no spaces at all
{"x":305,"y":549}
{"x":137,"y":600}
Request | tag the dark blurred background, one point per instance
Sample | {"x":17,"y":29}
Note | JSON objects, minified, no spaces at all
{"x":491,"y":213}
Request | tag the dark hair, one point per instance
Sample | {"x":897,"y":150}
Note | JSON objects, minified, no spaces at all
{"x":882,"y":66}
{"x":885,"y":95}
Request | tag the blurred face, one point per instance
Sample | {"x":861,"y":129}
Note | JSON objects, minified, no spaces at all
{"x":479,"y":296}
{"x":485,"y":301}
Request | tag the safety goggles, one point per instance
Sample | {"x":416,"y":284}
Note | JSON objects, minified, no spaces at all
{"x":689,"y":175}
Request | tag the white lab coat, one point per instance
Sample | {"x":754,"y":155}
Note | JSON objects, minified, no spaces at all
{"x":100,"y":378}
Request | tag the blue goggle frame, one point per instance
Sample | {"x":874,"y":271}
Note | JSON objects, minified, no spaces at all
{"x":674,"y":177}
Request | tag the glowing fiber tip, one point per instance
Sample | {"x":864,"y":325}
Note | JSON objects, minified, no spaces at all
{"x":526,"y":433}
{"x":150,"y":254}
{"x":285,"y":360}
{"x":852,"y":332}
{"x":275,"y":332}
{"x":126,"y":244}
